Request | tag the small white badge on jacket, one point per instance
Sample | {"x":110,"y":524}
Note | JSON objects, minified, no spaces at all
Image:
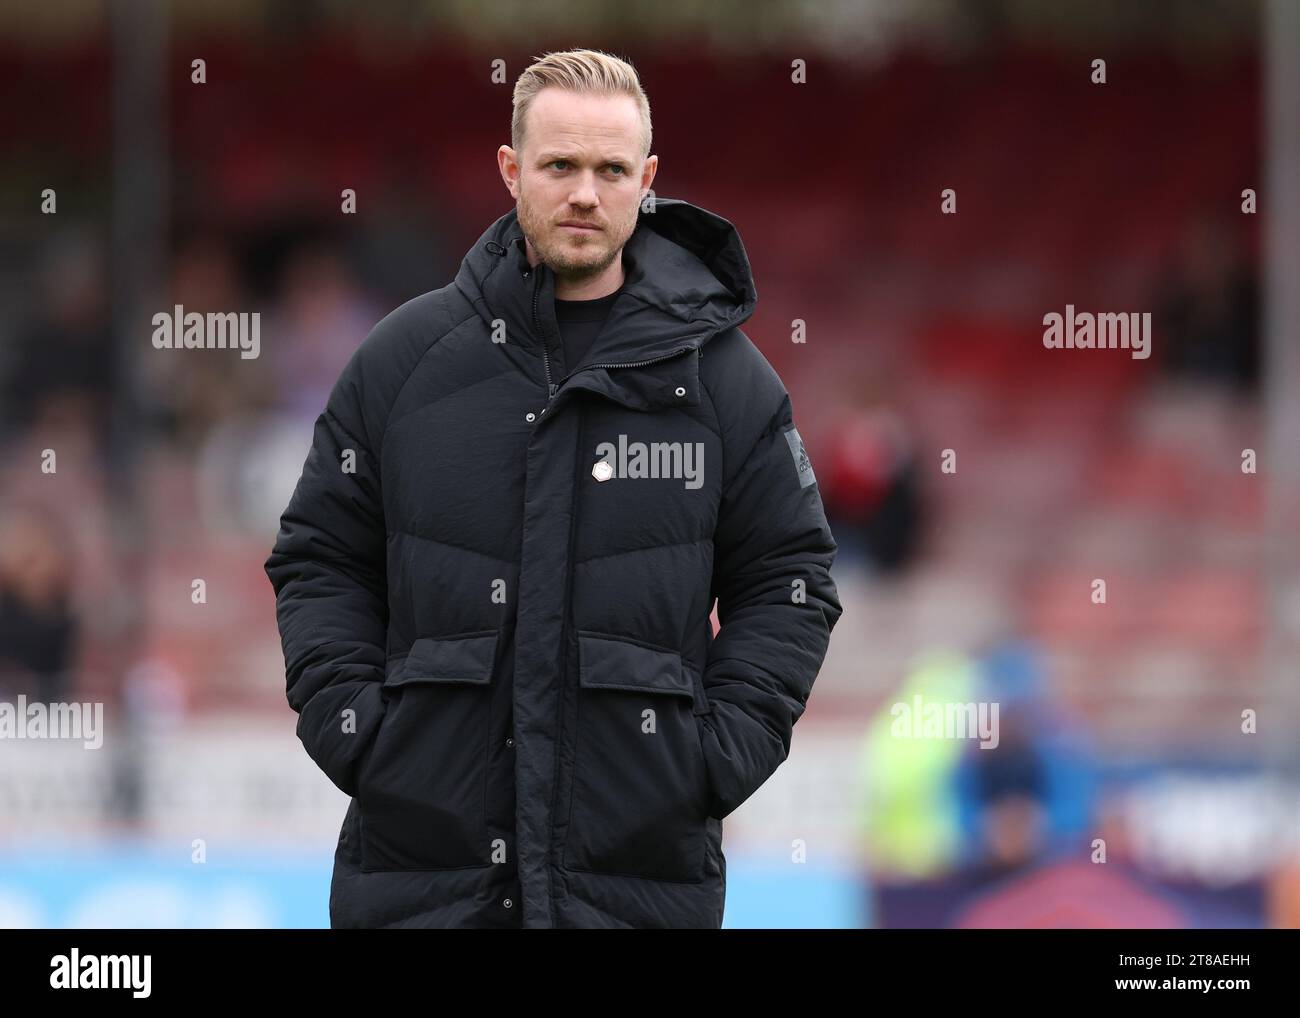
{"x":801,"y":461}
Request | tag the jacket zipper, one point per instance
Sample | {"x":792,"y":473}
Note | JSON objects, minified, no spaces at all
{"x":551,"y":387}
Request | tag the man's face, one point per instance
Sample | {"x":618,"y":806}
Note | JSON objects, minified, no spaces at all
{"x":579,"y":179}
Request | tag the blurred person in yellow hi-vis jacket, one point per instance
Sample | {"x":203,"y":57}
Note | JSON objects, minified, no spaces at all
{"x":907,"y":816}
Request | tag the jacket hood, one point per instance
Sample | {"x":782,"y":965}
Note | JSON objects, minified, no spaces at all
{"x":687,"y":278}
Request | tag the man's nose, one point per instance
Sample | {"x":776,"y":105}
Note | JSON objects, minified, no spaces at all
{"x":584,"y":192}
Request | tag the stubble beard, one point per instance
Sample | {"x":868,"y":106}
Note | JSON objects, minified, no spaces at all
{"x":538,"y":231}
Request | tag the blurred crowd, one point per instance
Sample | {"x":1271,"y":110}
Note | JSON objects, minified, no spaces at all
{"x":111,"y":417}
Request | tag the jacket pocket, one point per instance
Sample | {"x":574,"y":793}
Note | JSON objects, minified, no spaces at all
{"x":640,"y":793}
{"x":422,"y":790}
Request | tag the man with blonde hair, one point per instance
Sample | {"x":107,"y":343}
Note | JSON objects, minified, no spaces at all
{"x":495,"y":578}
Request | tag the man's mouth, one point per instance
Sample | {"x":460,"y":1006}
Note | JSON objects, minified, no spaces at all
{"x":571,"y":225}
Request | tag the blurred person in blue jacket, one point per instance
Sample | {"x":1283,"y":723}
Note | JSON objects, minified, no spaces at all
{"x":1031,"y":796}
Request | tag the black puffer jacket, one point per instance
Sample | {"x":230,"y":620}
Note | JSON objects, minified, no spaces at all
{"x":496,"y":626}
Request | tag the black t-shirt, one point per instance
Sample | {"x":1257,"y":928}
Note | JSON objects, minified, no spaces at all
{"x":580,"y":322}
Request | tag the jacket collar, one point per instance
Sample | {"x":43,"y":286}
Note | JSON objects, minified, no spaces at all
{"x":687,"y":278}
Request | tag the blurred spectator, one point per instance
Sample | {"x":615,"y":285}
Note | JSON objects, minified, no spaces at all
{"x":38,"y":629}
{"x":907,"y":814}
{"x":871,"y":486}
{"x":1208,"y":308}
{"x":200,"y":388}
{"x":1034,"y":792}
{"x":1011,"y":789}
{"x":60,"y":376}
{"x":321,"y":318}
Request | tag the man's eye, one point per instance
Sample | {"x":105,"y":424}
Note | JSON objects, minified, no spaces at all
{"x":615,"y":166}
{"x":560,"y":163}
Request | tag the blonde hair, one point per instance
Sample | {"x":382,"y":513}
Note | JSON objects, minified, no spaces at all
{"x":585,"y":71}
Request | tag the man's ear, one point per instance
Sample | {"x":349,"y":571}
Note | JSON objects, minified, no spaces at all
{"x":508,"y":164}
{"x":648,"y":171}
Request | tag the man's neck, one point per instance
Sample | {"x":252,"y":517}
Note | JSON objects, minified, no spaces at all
{"x":589,"y":287}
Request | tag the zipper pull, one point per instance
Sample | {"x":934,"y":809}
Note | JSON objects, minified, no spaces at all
{"x":553,"y":388}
